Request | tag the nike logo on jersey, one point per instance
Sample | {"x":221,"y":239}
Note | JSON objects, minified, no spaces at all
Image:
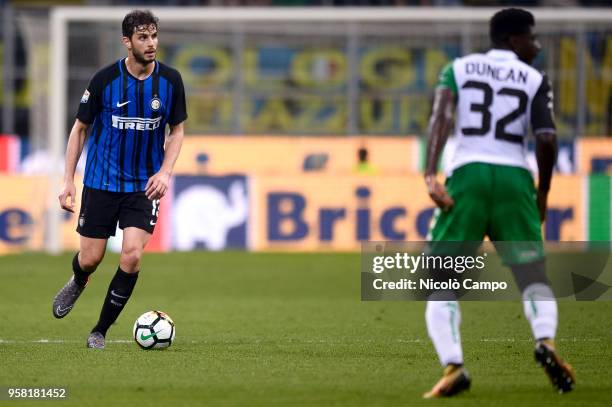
{"x":123,"y":104}
{"x":152,"y":223}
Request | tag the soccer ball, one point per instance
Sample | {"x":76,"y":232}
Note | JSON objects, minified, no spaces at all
{"x":154,"y":330}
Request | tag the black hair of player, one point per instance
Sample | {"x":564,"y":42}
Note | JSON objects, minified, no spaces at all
{"x":135,"y":19}
{"x":509,"y":22}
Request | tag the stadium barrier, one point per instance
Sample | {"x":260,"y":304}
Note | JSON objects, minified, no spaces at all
{"x":290,"y":155}
{"x":594,"y":155}
{"x":331,"y":155}
{"x":270,"y":155}
{"x":293,"y":212}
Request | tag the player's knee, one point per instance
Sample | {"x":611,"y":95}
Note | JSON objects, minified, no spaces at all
{"x":89,"y":260}
{"x":530,"y":273}
{"x":130,"y":259}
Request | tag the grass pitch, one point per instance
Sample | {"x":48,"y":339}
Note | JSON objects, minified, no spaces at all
{"x":276,"y":329}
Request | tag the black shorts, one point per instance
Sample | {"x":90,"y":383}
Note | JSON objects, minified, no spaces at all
{"x":101,"y":210}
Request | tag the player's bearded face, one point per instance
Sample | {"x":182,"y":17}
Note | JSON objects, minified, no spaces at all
{"x":144,"y":44}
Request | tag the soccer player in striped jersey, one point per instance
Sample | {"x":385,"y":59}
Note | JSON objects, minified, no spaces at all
{"x":130,"y":159}
{"x":496,"y":97}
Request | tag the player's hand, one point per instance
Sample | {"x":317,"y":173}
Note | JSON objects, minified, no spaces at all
{"x":439,"y":194}
{"x":542,"y":200}
{"x":157,"y":186}
{"x":68,"y":191}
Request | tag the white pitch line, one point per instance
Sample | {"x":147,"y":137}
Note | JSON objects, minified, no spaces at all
{"x":313,"y":341}
{"x":57,"y":341}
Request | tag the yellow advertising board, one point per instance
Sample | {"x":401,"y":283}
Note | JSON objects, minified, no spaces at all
{"x":336,"y":213}
{"x":299,"y":212}
{"x":594,"y":155}
{"x":295,"y":155}
{"x":23,"y":208}
{"x":566,"y":217}
{"x":22,"y":213}
{"x":290,"y":155}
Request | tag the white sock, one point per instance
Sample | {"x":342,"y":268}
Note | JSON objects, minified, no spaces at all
{"x":540,"y":308}
{"x":443,"y":320}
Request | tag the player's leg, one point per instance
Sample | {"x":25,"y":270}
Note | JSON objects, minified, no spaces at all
{"x":84,"y":263}
{"x":443,"y":319}
{"x":516,"y":223}
{"x":516,"y":227}
{"x":137,"y":218}
{"x":540,"y":308}
{"x":466,"y":221}
{"x":97,"y":222}
{"x":122,"y":284}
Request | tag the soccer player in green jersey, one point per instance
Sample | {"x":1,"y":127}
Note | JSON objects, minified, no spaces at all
{"x":495,"y":98}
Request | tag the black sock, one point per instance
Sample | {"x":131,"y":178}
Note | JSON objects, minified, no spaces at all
{"x":80,"y":275}
{"x":118,"y":294}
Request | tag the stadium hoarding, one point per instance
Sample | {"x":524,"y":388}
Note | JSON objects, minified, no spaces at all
{"x":594,"y":155}
{"x":285,"y":155}
{"x":308,"y":212}
{"x":337,"y":213}
{"x":23,"y":211}
{"x":289,"y":155}
{"x":209,"y":212}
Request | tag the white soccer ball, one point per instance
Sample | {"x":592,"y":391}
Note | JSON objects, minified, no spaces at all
{"x":154,"y":330}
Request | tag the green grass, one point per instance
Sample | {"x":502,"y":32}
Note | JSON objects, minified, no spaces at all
{"x":276,"y":329}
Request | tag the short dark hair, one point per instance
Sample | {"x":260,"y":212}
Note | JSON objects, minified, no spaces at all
{"x":135,"y":19}
{"x":509,"y":22}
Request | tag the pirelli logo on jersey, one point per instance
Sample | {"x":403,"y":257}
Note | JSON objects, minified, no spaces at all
{"x":135,"y":123}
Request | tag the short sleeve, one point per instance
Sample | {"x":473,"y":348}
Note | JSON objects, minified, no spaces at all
{"x":91,"y":101}
{"x":542,"y":116}
{"x":447,"y":78}
{"x":178,"y":112}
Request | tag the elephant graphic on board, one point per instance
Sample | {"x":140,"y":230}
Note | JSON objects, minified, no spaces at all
{"x":204,"y":214}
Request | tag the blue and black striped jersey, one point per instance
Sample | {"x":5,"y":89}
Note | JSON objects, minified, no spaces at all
{"x":129,"y":117}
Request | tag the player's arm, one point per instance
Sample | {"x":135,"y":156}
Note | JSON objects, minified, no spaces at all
{"x":76,"y":141}
{"x":543,"y":125}
{"x":439,"y":128}
{"x":88,"y":110}
{"x":158,"y":184}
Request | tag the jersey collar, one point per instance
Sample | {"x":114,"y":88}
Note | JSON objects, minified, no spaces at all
{"x":123,"y":69}
{"x":501,"y":54}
